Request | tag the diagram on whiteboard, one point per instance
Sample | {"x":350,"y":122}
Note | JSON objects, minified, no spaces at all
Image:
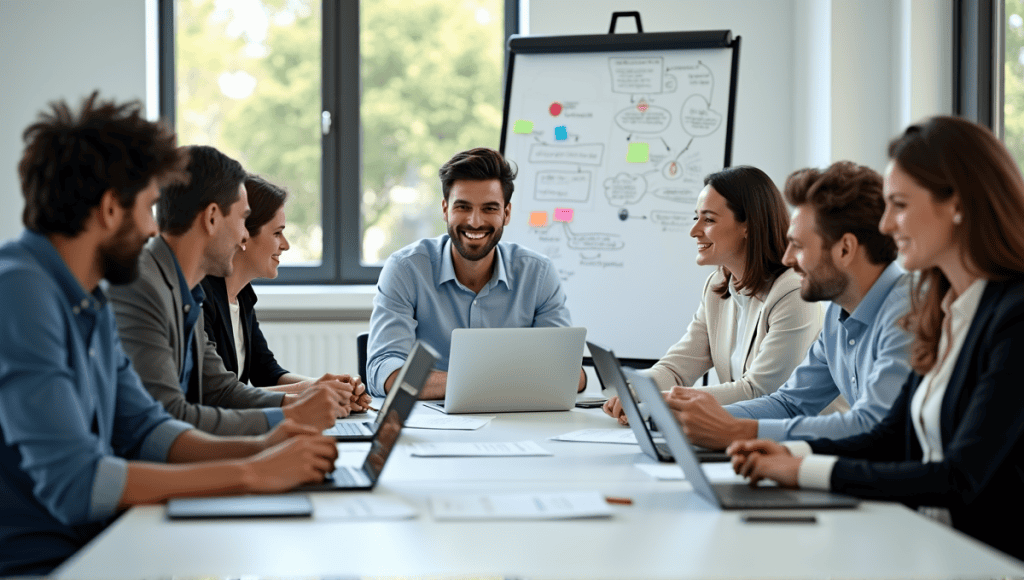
{"x":633,"y":151}
{"x":612,"y":149}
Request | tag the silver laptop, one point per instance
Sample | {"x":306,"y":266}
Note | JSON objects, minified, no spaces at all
{"x":500,"y":370}
{"x":348,"y":431}
{"x":609,"y":372}
{"x":406,"y":389}
{"x":725,"y":495}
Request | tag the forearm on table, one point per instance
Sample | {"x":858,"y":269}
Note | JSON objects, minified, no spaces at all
{"x":148,"y":483}
{"x":433,"y":389}
{"x":292,"y":378}
{"x":195,"y":445}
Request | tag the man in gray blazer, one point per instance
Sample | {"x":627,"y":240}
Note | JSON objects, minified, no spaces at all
{"x":160,"y":316}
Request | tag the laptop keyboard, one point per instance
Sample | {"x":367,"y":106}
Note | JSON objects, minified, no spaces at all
{"x":743,"y":496}
{"x":349,"y":428}
{"x":344,"y":477}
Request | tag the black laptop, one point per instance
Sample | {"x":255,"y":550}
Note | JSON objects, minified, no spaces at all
{"x":726,"y":496}
{"x":365,"y":430}
{"x":609,"y":372}
{"x":402,"y":398}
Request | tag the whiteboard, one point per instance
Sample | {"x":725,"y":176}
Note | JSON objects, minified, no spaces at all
{"x":615,"y":219}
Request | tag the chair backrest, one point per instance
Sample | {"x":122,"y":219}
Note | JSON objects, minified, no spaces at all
{"x":361,"y":341}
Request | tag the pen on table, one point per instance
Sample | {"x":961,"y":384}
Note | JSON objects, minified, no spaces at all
{"x":618,"y":500}
{"x":372,"y":408}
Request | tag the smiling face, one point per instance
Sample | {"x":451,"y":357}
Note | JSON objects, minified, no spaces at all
{"x":721,"y":240}
{"x":808,"y":256}
{"x":262,"y":253}
{"x":229,"y":237}
{"x":476,"y":214}
{"x":921,"y":227}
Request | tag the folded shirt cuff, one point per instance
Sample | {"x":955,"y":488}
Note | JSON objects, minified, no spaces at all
{"x":274,"y":416}
{"x":158,"y":443}
{"x":816,"y":472}
{"x":107,"y":487}
{"x":384,"y":370}
{"x":798,"y":448}
{"x":774,"y":429}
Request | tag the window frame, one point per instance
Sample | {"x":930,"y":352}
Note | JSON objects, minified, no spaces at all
{"x":978,"y":62}
{"x":341,"y":159}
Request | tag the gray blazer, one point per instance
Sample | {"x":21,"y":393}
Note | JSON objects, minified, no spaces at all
{"x":150,"y":322}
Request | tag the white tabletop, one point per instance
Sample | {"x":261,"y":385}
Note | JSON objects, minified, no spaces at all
{"x":668,"y":532}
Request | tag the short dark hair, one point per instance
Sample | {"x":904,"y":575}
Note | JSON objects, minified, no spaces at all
{"x":754,"y":200}
{"x":215,"y":179}
{"x":478,"y":164}
{"x":846,"y":198}
{"x":265,"y":199}
{"x":71,"y":160}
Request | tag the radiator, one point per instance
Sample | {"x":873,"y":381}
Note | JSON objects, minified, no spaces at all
{"x":314,"y":348}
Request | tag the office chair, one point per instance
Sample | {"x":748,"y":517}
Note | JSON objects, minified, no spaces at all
{"x":361,"y":342}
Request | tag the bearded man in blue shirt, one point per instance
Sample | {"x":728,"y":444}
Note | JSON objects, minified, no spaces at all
{"x":80,"y":438}
{"x":466,"y":278}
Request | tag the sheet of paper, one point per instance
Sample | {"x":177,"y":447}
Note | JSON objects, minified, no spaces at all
{"x":511,"y":449}
{"x":520,"y":506}
{"x":598,"y":436}
{"x":370,"y":507}
{"x":671,"y":472}
{"x":433,"y":421}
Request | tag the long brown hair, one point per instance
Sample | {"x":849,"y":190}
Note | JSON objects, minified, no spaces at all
{"x":950,"y":156}
{"x":754,"y":200}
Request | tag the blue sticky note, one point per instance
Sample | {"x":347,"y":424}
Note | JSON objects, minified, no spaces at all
{"x":561,"y":134}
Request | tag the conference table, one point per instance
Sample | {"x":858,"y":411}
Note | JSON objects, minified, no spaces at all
{"x":667,"y":532}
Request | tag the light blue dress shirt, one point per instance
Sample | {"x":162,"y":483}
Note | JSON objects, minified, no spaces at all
{"x":72,"y":410}
{"x":419,"y":298}
{"x":865,"y":356}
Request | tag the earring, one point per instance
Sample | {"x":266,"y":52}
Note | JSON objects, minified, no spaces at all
{"x":958,"y":218}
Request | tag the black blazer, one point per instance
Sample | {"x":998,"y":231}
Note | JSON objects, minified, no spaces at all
{"x":981,"y":478}
{"x":261,"y":368}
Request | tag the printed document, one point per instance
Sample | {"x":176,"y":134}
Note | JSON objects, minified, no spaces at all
{"x":512,"y":449}
{"x":520,"y":506}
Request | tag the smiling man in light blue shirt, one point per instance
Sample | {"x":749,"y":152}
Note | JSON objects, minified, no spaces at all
{"x":464,"y":279}
{"x":863,"y":351}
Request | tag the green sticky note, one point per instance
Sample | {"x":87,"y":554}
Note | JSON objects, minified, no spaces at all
{"x":523,"y":127}
{"x":638,"y":153}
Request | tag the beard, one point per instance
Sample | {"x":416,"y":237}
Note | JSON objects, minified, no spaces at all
{"x":825,"y":283}
{"x":473,"y":256}
{"x":120,"y":257}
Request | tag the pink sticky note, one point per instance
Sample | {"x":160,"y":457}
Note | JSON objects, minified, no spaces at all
{"x":563,"y":214}
{"x":538,"y":218}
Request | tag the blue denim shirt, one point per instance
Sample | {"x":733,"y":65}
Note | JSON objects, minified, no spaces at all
{"x":865,"y":356}
{"x":72,"y":410}
{"x":419,"y":298}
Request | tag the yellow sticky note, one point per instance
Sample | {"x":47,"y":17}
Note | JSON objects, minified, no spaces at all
{"x":538,"y":218}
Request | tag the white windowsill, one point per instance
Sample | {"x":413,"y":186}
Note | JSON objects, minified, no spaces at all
{"x":316,"y":297}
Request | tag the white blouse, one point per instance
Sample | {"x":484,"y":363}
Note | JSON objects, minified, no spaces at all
{"x":236,"y":329}
{"x":926,"y":406}
{"x":745,"y":309}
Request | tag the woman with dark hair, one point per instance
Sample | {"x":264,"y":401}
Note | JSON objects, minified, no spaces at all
{"x":953,"y":443}
{"x":228,"y":311}
{"x":751,"y":325}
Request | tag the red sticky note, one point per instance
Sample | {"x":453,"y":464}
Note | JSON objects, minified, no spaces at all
{"x":563,"y":214}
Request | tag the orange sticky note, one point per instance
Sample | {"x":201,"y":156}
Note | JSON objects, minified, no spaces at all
{"x":538,"y":218}
{"x":563,"y":214}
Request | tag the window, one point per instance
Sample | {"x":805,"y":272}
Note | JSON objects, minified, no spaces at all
{"x":350,"y":106}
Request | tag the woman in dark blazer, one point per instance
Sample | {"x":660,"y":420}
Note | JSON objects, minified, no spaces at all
{"x":953,"y":443}
{"x":259,"y":259}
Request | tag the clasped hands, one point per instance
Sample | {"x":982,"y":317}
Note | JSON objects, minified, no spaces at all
{"x":320,"y":402}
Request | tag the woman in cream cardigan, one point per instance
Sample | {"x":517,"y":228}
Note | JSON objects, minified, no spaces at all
{"x":751,"y":326}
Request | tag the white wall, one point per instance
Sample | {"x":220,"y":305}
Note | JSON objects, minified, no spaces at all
{"x":819,"y":80}
{"x":52,"y":49}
